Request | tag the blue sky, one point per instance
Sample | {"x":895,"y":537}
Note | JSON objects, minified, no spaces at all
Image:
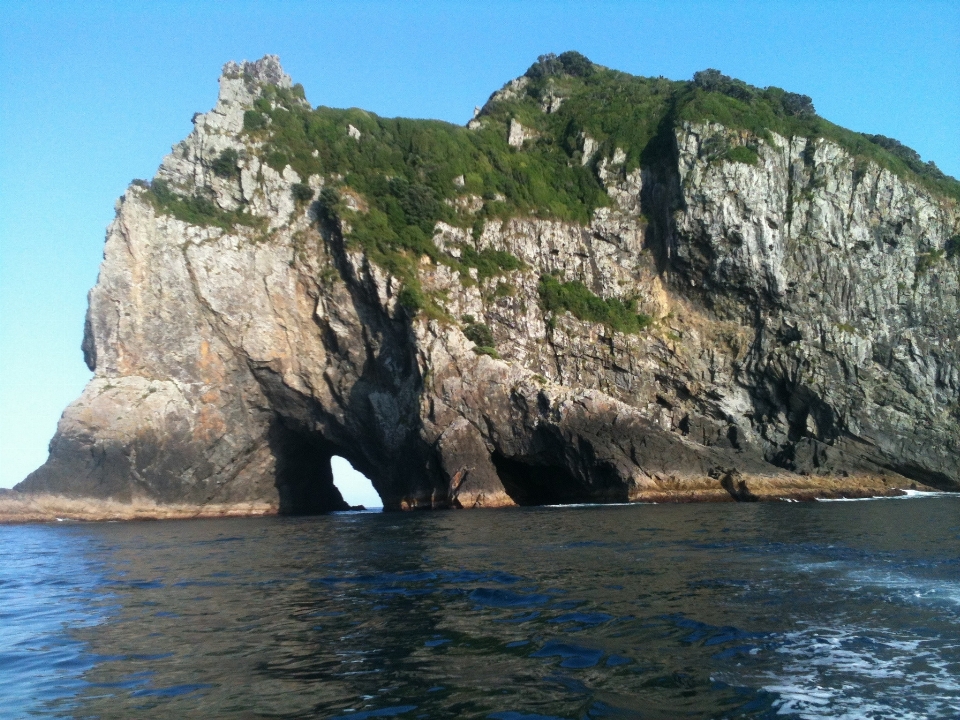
{"x":93,"y":94}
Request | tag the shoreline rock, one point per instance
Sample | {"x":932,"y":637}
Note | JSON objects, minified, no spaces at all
{"x":18,"y":508}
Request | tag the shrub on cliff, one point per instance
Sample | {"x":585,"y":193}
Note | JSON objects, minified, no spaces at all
{"x":781,"y":101}
{"x":481,"y":335}
{"x":489,"y":262}
{"x":797,"y":105}
{"x":254,"y":120}
{"x":953,"y":247}
{"x":196,"y":209}
{"x":575,"y":298}
{"x":417,"y":201}
{"x":909,"y":156}
{"x":712,"y":80}
{"x":569,"y":63}
{"x":225,"y":165}
{"x":301,"y":193}
{"x":328,"y":205}
{"x":743,"y":154}
{"x":575,"y":64}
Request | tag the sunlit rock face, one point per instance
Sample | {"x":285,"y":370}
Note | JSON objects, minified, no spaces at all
{"x":796,"y":343}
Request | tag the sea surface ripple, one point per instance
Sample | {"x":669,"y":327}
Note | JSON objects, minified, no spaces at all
{"x":765,"y":610}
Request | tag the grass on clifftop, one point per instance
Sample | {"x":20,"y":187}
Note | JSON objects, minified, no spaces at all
{"x":409,"y":175}
{"x":713,"y":97}
{"x":406,"y":175}
{"x":639,"y":115}
{"x":413,"y":171}
{"x":410,"y":167}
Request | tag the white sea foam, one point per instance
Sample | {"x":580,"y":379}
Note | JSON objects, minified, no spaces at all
{"x":907,"y":495}
{"x":600,"y":505}
{"x":854,"y":673}
{"x":909,"y":588}
{"x":901,"y":586}
{"x":925,"y":493}
{"x":871,"y":671}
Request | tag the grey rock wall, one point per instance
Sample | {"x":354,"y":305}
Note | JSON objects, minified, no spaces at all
{"x":797,"y":351}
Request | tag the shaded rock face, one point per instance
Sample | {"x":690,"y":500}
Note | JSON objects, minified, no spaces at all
{"x":855,"y":345}
{"x":799,"y":346}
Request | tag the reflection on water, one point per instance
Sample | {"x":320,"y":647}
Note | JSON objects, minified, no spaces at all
{"x":704,"y":611}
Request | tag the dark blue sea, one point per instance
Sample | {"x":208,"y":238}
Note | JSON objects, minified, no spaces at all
{"x":764,"y":610}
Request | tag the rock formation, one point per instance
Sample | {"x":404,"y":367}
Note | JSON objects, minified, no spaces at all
{"x":796,"y":327}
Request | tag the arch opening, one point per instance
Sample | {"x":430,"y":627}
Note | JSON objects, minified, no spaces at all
{"x":312,"y":479}
{"x":354,"y":486}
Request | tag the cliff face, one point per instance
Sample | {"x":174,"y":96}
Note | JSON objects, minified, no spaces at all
{"x":796,"y":335}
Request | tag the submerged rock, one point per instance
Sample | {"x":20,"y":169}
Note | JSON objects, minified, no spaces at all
{"x":779,"y":321}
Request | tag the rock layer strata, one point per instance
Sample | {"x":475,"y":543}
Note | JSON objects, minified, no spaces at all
{"x":799,"y":348}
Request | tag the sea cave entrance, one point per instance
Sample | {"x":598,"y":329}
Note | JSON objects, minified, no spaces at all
{"x":355,"y":487}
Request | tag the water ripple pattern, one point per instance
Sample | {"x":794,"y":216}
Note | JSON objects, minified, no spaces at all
{"x":819,"y":610}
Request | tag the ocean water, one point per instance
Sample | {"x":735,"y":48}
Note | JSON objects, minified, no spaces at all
{"x":763,"y":610}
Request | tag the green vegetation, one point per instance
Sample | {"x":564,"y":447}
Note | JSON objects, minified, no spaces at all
{"x":489,"y":263}
{"x":783,"y":103}
{"x":480,"y":334}
{"x":908,"y":155}
{"x":390,"y":186}
{"x":398,"y":238}
{"x":639,"y":114}
{"x":254,"y":120}
{"x":928,"y":260}
{"x":713,"y":97}
{"x":302,"y":193}
{"x":615,"y":109}
{"x":574,"y":297}
{"x":195,"y":209}
{"x":743,"y":154}
{"x":402,"y":172}
{"x":952,"y":247}
{"x":225,"y":165}
{"x":406,"y":168}
{"x":569,"y":63}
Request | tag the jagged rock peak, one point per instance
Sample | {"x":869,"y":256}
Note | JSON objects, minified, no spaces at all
{"x":265,"y":71}
{"x":220,"y":129}
{"x":240,"y":87}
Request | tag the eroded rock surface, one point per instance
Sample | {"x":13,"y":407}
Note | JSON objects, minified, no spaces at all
{"x":798,"y":346}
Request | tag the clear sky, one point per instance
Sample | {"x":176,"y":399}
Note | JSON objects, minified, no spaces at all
{"x":93,"y":94}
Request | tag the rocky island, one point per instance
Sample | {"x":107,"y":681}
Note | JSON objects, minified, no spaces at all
{"x":605,"y":288}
